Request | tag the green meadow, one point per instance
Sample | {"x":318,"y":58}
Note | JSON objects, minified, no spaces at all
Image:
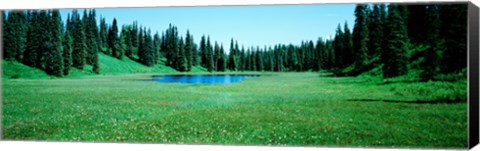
{"x":292,"y":108}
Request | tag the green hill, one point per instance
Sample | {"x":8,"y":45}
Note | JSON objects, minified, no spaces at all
{"x":108,"y":66}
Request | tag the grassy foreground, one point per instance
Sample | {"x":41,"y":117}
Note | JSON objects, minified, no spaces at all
{"x":277,"y":109}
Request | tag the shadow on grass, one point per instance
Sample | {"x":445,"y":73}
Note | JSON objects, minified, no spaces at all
{"x":440,"y":101}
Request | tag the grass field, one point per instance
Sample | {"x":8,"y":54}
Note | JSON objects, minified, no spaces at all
{"x":299,"y":109}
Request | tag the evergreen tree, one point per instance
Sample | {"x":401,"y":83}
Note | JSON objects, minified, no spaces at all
{"x":231,"y":57}
{"x":33,"y":40}
{"x":454,"y":29}
{"x":189,"y":51}
{"x":347,"y":38}
{"x":338,"y":46}
{"x":430,"y":65}
{"x":209,"y":55}
{"x":376,"y":31}
{"x":113,"y":38}
{"x":203,"y":52}
{"x":157,"y":47}
{"x":394,"y":54}
{"x":79,"y":44}
{"x":222,"y":63}
{"x":103,"y":33}
{"x":67,"y":52}
{"x":360,"y":35}
{"x":15,"y":35}
{"x":182,"y":64}
{"x":53,"y":55}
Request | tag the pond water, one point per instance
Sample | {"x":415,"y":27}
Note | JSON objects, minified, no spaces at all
{"x":202,"y":79}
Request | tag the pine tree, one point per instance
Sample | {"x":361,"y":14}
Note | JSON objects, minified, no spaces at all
{"x":360,"y":35}
{"x":148,"y":58}
{"x":189,"y":52}
{"x":67,"y":52}
{"x":431,"y":63}
{"x":231,"y":57}
{"x":222,"y":63}
{"x":454,"y":29}
{"x":394,"y":54}
{"x":182,"y":64}
{"x":103,"y":33}
{"x":15,"y":37}
{"x":348,"y":52}
{"x":203,"y":52}
{"x":209,"y":55}
{"x":33,"y":40}
{"x":157,"y":47}
{"x":113,"y":38}
{"x":376,"y":31}
{"x":53,"y":55}
{"x":338,"y":46}
{"x":79,"y":43}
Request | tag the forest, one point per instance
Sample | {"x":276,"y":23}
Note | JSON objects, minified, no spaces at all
{"x":394,"y":39}
{"x":398,"y":78}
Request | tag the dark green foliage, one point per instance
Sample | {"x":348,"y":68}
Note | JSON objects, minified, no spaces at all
{"x":15,"y":35}
{"x":67,"y":52}
{"x":112,"y":39}
{"x":348,"y":51}
{"x":33,"y":40}
{"x":103,"y":33}
{"x":360,"y":35}
{"x":338,"y":47}
{"x":232,"y":62}
{"x":203,"y":52}
{"x":375,"y":29}
{"x":432,"y":55}
{"x":79,"y":44}
{"x":222,"y":60}
{"x":209,"y":56}
{"x":417,"y":23}
{"x":91,"y":35}
{"x":454,"y":29}
{"x":147,"y":57}
{"x":53,"y":48}
{"x":156,"y":47}
{"x":394,"y":54}
{"x":182,"y":63}
{"x":171,"y":41}
{"x":189,"y":51}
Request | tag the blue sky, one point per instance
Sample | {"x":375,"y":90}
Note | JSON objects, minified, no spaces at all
{"x":249,"y":25}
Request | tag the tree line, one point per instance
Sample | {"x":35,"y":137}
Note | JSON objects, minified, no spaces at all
{"x":399,"y":38}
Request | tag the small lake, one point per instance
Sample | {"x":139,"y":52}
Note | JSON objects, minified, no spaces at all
{"x":202,"y":79}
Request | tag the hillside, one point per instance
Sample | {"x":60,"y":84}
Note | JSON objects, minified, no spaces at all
{"x":108,"y":66}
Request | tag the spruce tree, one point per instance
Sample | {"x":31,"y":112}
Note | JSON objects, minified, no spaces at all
{"x":103,"y":34}
{"x":209,"y":55}
{"x":203,"y":52}
{"x":360,"y":35}
{"x":189,"y":52}
{"x":79,"y":43}
{"x":15,"y":35}
{"x":338,"y":46}
{"x":454,"y":29}
{"x":348,"y":52}
{"x":376,"y":31}
{"x":395,"y":52}
{"x":53,"y":55}
{"x":231,"y":57}
{"x":33,"y":40}
{"x":67,"y":52}
{"x":157,"y":47}
{"x":182,"y":64}
{"x":113,"y":38}
{"x":430,"y":65}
